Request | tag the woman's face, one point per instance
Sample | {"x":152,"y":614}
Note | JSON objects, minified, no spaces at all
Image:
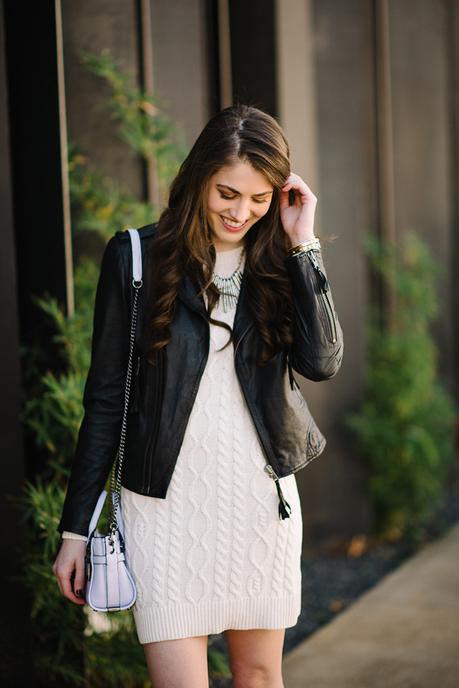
{"x":238,"y":197}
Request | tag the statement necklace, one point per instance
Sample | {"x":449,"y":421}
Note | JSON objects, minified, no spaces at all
{"x":229,"y":287}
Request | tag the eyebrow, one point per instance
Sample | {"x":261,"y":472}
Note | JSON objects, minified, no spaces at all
{"x":264,"y":193}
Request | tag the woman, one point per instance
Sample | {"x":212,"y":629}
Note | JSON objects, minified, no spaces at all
{"x":235,"y":298}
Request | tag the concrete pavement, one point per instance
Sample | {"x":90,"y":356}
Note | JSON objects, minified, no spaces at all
{"x":402,"y":633}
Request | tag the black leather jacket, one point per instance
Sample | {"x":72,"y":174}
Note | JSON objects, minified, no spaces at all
{"x":162,"y":396}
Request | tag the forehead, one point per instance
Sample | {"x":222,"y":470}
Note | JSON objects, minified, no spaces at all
{"x":243,"y":177}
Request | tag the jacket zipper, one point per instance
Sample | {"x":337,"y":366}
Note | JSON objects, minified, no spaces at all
{"x":330,"y":319}
{"x":134,"y":402}
{"x":284,"y":507}
{"x":152,"y":445}
{"x":153,"y":435}
{"x":324,"y":300}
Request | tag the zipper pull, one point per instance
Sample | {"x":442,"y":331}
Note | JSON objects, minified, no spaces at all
{"x":325,"y":285}
{"x":284,"y":507}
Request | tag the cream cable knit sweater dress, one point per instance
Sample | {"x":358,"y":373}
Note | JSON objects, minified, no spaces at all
{"x":214,"y":555}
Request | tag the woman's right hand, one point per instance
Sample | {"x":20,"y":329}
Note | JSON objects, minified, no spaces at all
{"x":69,"y":569}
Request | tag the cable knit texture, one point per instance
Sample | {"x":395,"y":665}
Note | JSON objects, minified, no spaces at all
{"x":214,"y":555}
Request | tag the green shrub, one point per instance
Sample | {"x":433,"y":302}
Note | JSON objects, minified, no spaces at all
{"x":405,"y":424}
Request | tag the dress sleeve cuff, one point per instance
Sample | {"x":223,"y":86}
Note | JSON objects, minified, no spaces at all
{"x":67,"y":535}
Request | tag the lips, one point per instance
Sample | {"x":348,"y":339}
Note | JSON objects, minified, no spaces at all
{"x":229,"y":228}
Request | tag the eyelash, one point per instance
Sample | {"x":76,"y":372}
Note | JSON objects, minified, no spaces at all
{"x":230,"y":198}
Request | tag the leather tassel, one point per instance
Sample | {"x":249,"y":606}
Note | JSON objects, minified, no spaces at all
{"x":284,"y":507}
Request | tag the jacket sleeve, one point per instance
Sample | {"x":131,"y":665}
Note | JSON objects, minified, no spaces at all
{"x":103,"y":396}
{"x":316,"y":351}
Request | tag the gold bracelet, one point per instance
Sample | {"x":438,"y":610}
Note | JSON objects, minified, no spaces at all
{"x":305,"y":246}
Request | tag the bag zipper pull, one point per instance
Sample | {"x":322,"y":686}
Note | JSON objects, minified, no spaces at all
{"x":284,"y":507}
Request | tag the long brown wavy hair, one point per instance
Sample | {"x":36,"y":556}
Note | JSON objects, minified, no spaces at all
{"x":183,"y":239}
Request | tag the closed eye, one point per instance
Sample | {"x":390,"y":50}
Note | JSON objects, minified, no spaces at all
{"x":230,"y":198}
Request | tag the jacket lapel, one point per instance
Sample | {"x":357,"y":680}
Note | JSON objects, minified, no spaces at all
{"x":188,"y":294}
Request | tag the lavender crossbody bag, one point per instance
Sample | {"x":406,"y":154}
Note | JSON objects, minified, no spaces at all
{"x":109,"y":583}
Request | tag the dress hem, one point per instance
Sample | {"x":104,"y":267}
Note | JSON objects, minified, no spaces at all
{"x":186,"y":620}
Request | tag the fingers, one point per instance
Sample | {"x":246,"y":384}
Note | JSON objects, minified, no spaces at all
{"x":294,"y":181}
{"x":297,"y":217}
{"x":284,"y":200}
{"x":54,"y":569}
{"x":80,"y":579}
{"x":68,"y":569}
{"x":65,"y":577}
{"x":58,"y":582}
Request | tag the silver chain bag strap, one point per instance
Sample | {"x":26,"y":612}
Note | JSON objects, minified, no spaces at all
{"x":109,"y":583}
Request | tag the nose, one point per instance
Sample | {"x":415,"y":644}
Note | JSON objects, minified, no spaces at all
{"x":241,"y":211}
